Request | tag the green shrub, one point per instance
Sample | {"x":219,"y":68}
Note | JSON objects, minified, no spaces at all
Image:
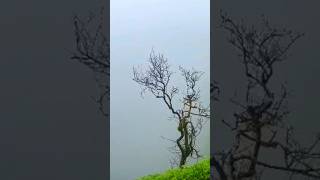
{"x":197,"y":171}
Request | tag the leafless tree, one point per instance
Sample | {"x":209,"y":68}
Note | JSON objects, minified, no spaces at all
{"x":190,"y":115}
{"x":261,"y":125}
{"x":92,"y":50}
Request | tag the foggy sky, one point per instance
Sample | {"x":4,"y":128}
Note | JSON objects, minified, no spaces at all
{"x":49,"y":126}
{"x":300,"y":71}
{"x":179,"y":30}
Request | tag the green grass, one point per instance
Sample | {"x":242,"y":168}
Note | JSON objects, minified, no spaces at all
{"x":197,"y":171}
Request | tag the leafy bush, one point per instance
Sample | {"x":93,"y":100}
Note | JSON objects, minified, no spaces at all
{"x":198,"y":171}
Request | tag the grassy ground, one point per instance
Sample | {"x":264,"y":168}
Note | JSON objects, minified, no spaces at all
{"x":197,"y":171}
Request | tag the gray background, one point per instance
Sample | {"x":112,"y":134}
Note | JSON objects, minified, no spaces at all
{"x":300,"y":71}
{"x":49,"y":126}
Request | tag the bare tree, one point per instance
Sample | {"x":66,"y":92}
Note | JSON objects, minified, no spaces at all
{"x":190,"y":115}
{"x":92,"y":50}
{"x":261,"y":125}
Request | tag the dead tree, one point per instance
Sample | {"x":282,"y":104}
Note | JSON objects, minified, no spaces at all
{"x":190,"y":115}
{"x":261,"y":125}
{"x":92,"y":50}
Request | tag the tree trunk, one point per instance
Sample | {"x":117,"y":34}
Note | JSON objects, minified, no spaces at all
{"x":183,"y":160}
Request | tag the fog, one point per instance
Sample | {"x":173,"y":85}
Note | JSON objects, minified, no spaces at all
{"x":178,"y":29}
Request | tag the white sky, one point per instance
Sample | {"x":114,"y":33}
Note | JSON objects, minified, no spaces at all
{"x":180,"y":30}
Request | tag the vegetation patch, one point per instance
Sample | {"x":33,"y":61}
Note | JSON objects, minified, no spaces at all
{"x":197,"y":171}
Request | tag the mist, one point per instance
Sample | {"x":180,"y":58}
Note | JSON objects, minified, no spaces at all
{"x":181,"y":31}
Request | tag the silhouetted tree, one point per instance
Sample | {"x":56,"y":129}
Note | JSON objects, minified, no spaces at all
{"x":261,"y":125}
{"x":190,"y":114}
{"x":92,"y":50}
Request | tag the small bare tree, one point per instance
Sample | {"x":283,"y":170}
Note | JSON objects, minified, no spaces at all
{"x":261,"y":125}
{"x":190,"y":115}
{"x":92,"y":50}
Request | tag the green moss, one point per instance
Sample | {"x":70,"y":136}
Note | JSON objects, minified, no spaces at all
{"x":198,"y":171}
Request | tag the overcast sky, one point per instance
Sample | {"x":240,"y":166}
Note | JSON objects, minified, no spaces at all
{"x":178,"y":29}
